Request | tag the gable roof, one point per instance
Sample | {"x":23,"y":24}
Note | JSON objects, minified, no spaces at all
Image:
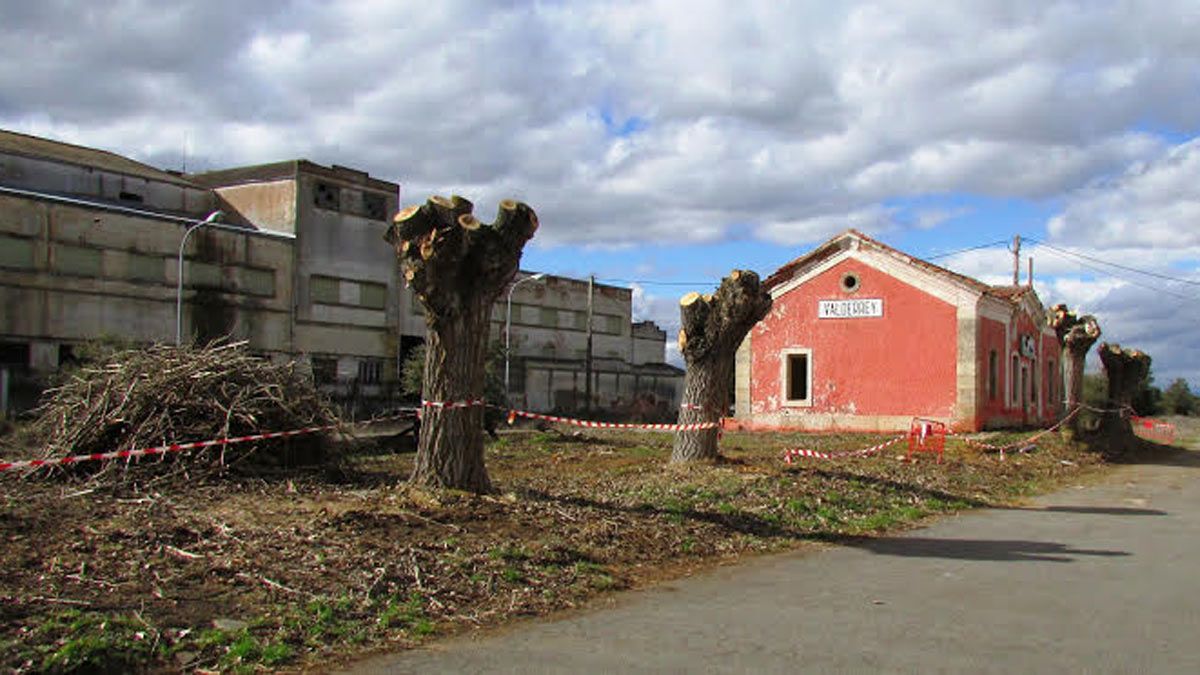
{"x":844,"y":241}
{"x":35,"y":147}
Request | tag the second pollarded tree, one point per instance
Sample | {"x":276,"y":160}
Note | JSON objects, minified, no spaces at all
{"x":1076,"y":335}
{"x":712,"y":327}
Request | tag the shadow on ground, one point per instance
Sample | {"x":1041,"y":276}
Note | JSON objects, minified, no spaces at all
{"x":1003,"y":550}
{"x":1092,"y":510}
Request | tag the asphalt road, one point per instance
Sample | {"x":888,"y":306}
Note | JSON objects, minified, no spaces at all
{"x":1103,"y":578}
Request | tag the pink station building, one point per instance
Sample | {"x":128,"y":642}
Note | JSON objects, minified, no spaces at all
{"x":864,"y":337}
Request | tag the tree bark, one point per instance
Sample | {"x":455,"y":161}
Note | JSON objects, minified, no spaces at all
{"x":1127,"y":370}
{"x":457,"y":267}
{"x":712,"y":328}
{"x":1076,"y":335}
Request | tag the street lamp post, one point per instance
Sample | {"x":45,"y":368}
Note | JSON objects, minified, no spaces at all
{"x":208,"y":220}
{"x":508,"y":327}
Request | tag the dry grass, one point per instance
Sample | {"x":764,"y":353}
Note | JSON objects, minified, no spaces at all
{"x":247,"y":572}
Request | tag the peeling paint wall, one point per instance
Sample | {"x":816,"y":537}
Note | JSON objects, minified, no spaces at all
{"x":866,"y":372}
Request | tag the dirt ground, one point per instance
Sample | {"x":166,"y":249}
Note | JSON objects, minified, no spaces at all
{"x":238,"y":573}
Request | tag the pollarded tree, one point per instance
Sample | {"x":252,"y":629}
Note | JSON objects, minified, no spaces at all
{"x":1127,"y":370}
{"x":713,"y":327}
{"x":457,"y":266}
{"x":1076,"y":335}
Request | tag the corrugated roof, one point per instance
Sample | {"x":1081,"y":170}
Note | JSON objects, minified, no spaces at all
{"x":44,"y":148}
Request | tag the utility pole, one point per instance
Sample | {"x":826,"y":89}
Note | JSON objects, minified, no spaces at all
{"x":587,"y":361}
{"x":1016,"y":249}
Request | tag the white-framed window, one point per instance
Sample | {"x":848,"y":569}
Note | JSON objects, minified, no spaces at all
{"x":1014,"y":383}
{"x":993,"y":374}
{"x":1051,"y":377}
{"x":796,"y":369}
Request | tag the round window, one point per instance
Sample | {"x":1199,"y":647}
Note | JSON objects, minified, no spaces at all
{"x":850,"y":282}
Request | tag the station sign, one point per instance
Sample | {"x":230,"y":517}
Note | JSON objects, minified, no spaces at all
{"x":860,"y":308}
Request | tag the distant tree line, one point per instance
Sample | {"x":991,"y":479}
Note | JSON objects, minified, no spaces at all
{"x":1176,"y":399}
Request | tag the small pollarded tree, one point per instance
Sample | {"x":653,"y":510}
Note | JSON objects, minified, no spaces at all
{"x":712,"y":328}
{"x":1127,"y":370}
{"x":1076,"y":335}
{"x":457,"y":266}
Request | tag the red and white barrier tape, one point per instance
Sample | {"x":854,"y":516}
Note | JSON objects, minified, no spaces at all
{"x":611,"y":425}
{"x":160,"y":450}
{"x":451,"y":405}
{"x":179,"y":447}
{"x":1002,"y":449}
{"x":789,"y":455}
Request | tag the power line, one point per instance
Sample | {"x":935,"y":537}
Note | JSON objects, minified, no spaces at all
{"x":1113,"y":264}
{"x":1157,"y":289}
{"x":968,"y":249}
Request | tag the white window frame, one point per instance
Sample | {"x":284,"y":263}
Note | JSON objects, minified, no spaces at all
{"x":785,"y":377}
{"x":1014,"y":381}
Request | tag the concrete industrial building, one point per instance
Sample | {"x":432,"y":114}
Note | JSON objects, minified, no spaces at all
{"x":549,"y":350}
{"x":89,"y":242}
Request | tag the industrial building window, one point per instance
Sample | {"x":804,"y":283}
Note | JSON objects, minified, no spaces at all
{"x":77,"y":260}
{"x":607,"y":323}
{"x":993,"y":374}
{"x":16,"y":252}
{"x":324,"y":370}
{"x":14,"y":354}
{"x":326,"y":196}
{"x":258,"y":282}
{"x":797,"y":376}
{"x":372,"y":295}
{"x":145,"y":268}
{"x":374,"y":206}
{"x":204,"y":275}
{"x":324,"y":290}
{"x":369,"y":371}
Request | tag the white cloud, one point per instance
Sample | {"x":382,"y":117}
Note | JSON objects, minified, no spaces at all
{"x":662,"y":310}
{"x":871,"y":220}
{"x":1155,"y":204}
{"x":622,"y":121}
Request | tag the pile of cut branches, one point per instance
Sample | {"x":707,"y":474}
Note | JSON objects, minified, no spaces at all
{"x":140,"y":398}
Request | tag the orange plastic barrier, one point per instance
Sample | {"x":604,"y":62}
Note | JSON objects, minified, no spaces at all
{"x":1159,"y":431}
{"x":927,"y":436}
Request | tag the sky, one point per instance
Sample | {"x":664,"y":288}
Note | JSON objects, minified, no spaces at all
{"x":664,"y":144}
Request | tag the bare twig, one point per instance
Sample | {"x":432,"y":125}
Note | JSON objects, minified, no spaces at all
{"x":44,"y":598}
{"x":180,"y":553}
{"x":272,"y":584}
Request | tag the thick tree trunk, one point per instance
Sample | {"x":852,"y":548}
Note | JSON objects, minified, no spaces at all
{"x":450,"y":448}
{"x":457,"y":267}
{"x":1076,"y":335}
{"x":712,"y":328}
{"x":1127,"y":370}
